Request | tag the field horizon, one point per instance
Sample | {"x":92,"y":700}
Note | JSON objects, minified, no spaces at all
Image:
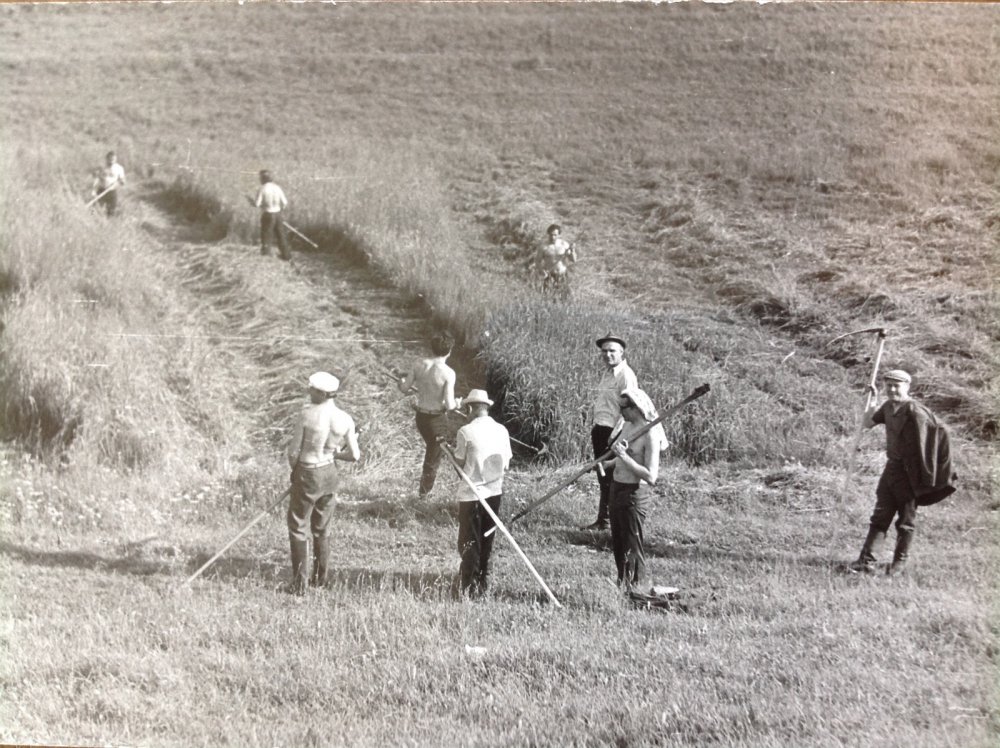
{"x":743,"y":182}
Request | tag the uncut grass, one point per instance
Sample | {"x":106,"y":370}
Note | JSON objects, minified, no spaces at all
{"x":800,"y":159}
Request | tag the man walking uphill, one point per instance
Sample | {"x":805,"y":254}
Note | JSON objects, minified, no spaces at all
{"x":434,"y":382}
{"x":482,"y":450}
{"x":918,"y":470}
{"x":323,"y":434}
{"x":618,"y":377}
{"x":272,"y":201}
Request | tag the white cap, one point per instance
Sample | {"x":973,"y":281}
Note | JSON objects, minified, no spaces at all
{"x":324,"y":382}
{"x":897,"y":375}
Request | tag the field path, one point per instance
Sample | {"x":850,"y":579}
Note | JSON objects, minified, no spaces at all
{"x":272,"y":323}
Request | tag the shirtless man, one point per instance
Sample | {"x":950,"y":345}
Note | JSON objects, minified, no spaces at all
{"x":323,"y":434}
{"x":434,"y":383}
{"x":636,"y":462}
{"x":554,"y":258}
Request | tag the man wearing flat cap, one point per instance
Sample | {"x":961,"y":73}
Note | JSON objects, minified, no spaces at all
{"x":323,"y":433}
{"x":918,"y":470}
{"x":482,"y":450}
{"x":617,"y":377}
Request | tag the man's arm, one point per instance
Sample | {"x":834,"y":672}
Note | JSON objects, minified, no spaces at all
{"x":260,"y":197}
{"x":406,"y":383}
{"x":461,"y":445}
{"x":449,"y":389}
{"x":872,"y":415}
{"x":353,"y":452}
{"x":295,"y":445}
{"x":282,"y":200}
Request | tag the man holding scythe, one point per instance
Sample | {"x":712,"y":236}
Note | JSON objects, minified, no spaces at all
{"x":918,"y":469}
{"x":618,"y":377}
{"x":322,"y":435}
{"x":482,"y":452}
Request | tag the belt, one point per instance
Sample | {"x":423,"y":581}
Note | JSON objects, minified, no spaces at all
{"x":430,"y":412}
{"x":314,"y":465}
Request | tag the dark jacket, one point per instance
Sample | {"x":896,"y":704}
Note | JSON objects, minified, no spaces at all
{"x":926,"y":455}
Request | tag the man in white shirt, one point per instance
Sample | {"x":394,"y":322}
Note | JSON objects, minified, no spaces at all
{"x":109,"y":178}
{"x":271,"y":200}
{"x":482,"y":450}
{"x":323,"y":433}
{"x":618,"y":377}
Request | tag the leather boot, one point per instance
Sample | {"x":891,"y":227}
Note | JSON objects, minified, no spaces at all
{"x":903,"y":540}
{"x":869,"y":552}
{"x":298,"y":583}
{"x":321,"y":559}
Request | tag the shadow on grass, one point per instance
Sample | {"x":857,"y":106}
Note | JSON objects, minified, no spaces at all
{"x":659,"y":548}
{"x":396,"y":513}
{"x":129,"y":564}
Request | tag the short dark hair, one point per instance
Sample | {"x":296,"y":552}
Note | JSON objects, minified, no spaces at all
{"x":265,"y":175}
{"x":553,"y":227}
{"x":442,"y":343}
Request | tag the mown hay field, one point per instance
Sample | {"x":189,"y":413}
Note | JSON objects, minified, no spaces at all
{"x":743,"y":182}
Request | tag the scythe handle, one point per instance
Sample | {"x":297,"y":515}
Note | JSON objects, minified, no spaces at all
{"x":499,"y":524}
{"x":698,"y":392}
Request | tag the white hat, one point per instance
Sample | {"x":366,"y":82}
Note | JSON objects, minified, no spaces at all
{"x":477,"y":396}
{"x":897,"y":375}
{"x":324,"y":382}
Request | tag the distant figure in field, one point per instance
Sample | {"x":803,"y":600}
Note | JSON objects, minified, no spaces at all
{"x":553,"y":258}
{"x":323,"y":433}
{"x":617,"y":378}
{"x":107,"y":182}
{"x":636,"y":462}
{"x":434,"y":383}
{"x":272,"y":201}
{"x":918,"y":470}
{"x":482,"y":450}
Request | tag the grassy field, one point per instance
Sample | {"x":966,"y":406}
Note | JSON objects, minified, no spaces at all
{"x":744,"y":182}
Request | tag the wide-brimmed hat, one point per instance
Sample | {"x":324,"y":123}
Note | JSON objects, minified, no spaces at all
{"x":324,"y":382}
{"x":609,"y":338}
{"x":897,"y":375}
{"x":477,"y":396}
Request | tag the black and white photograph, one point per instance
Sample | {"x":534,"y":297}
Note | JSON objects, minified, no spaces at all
{"x":499,"y":374}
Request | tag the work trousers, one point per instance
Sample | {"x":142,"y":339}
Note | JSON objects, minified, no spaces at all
{"x":893,"y":497}
{"x":473,"y":546}
{"x":273,"y":225}
{"x":311,"y":504}
{"x":628,"y":511}
{"x":600,"y":437}
{"x":431,"y":426}
{"x":109,"y":202}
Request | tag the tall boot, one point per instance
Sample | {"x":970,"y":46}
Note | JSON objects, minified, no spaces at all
{"x":903,"y":540}
{"x":299,"y":550}
{"x":869,"y":552}
{"x":321,"y":559}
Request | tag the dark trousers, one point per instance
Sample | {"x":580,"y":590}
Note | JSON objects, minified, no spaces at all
{"x":600,"y":437}
{"x":272,"y":225}
{"x":109,"y":202}
{"x":893,"y":497}
{"x":475,"y":549}
{"x":628,"y":511}
{"x":431,"y":426}
{"x":311,"y":504}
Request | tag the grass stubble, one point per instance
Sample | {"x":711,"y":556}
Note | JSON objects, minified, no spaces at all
{"x":148,"y":375}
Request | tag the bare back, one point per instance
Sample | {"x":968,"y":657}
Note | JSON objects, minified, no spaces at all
{"x":322,"y":430}
{"x":434,"y":382}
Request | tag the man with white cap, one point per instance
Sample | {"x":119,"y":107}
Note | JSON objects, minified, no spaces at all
{"x":323,"y":434}
{"x":482,"y":450}
{"x":618,"y":377}
{"x":918,"y":470}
